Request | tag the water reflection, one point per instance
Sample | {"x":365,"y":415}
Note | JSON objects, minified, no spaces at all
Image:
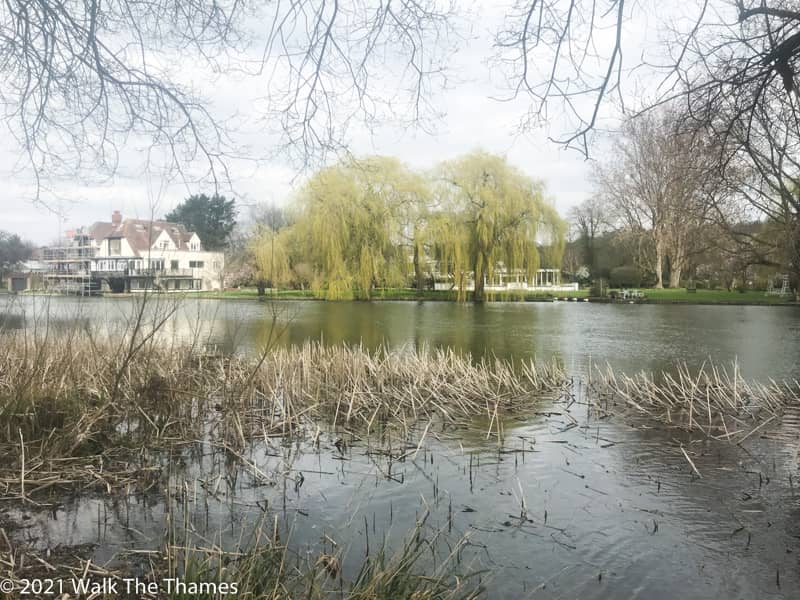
{"x":603,"y":509}
{"x":764,"y":340}
{"x":564,"y":507}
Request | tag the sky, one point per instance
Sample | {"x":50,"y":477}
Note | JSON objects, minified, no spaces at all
{"x":472,"y":119}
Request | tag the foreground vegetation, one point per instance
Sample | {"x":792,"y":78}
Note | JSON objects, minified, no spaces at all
{"x":715,"y":400}
{"x":261,"y":568}
{"x":90,"y":402}
{"x":118,"y":413}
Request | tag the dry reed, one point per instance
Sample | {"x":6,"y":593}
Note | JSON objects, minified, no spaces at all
{"x":78,"y":410}
{"x":715,"y":401}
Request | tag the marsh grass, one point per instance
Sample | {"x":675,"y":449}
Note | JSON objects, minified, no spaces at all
{"x":90,"y":409}
{"x":424,"y":566}
{"x":716,"y":400}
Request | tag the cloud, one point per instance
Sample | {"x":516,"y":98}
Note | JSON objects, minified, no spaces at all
{"x":472,"y":119}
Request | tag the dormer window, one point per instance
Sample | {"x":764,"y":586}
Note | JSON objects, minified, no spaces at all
{"x":164,"y":244}
{"x":194,"y":246}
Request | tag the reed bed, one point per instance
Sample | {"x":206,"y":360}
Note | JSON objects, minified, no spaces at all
{"x":83,"y":410}
{"x":424,"y":565}
{"x":716,"y":401}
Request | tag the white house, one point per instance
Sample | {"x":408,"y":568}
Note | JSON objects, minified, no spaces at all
{"x":139,"y":254}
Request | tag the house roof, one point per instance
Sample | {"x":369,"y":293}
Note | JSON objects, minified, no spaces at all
{"x":141,"y":233}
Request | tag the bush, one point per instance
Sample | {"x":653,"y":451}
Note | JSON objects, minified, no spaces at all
{"x":599,"y":288}
{"x":626,"y":276}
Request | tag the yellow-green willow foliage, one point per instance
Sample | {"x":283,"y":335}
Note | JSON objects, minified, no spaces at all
{"x":449,"y":237}
{"x":351,"y":229}
{"x":270,"y":250}
{"x":553,"y":237}
{"x":492,"y":215}
{"x":407,"y":197}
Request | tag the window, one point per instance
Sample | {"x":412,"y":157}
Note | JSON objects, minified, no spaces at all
{"x":164,"y":244}
{"x":115,"y":246}
{"x":196,"y":264}
{"x":173,"y":264}
{"x":157,"y":264}
{"x":215,"y":265}
{"x":194,"y":246}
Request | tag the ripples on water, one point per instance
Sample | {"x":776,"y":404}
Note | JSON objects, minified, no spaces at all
{"x":607,"y":508}
{"x":764,"y":340}
{"x":602,"y":509}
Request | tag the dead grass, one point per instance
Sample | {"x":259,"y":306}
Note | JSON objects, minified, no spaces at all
{"x":716,"y":400}
{"x":80,"y":411}
{"x":260,"y":566}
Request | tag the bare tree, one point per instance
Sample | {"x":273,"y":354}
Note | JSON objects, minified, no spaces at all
{"x":732,"y":65}
{"x":761,"y":173}
{"x":333,"y":63}
{"x":85,"y":78}
{"x":575,"y":55}
{"x":81,"y":78}
{"x":590,"y":219}
{"x":658,"y":182}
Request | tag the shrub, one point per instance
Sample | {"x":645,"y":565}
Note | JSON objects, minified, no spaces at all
{"x":626,"y":276}
{"x":599,"y":288}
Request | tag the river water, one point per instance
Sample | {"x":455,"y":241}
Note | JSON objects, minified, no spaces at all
{"x":764,"y":340}
{"x":568,"y":505}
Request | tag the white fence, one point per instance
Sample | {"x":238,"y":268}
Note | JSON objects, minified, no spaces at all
{"x":513,"y":286}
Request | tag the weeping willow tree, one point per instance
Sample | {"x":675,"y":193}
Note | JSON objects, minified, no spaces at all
{"x":552,"y":238}
{"x":493,"y":216}
{"x":374,"y":223}
{"x":406,"y":195}
{"x":448,"y":236}
{"x":271,"y":254}
{"x":350,"y":227}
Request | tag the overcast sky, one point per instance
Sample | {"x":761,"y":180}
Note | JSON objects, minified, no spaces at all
{"x":472,"y":120}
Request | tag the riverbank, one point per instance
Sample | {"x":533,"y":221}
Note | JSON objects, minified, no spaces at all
{"x":393,"y":294}
{"x":651,"y":296}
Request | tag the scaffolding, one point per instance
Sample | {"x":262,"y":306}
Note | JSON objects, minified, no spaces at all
{"x":69,"y":268}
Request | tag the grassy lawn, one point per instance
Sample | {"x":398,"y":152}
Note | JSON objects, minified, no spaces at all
{"x":722,"y":296}
{"x":253,"y":293}
{"x":679,"y":295}
{"x":392,"y":294}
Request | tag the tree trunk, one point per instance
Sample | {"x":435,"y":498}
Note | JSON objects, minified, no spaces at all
{"x":794,"y":266}
{"x":418,"y":275}
{"x":480,"y":269}
{"x":675,"y":277}
{"x":261,"y":286}
{"x":676,"y":265}
{"x":659,"y":268}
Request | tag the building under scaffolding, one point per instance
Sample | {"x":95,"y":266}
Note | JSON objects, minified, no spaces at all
{"x":69,"y":265}
{"x":131,"y":255}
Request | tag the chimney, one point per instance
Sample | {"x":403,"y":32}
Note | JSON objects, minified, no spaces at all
{"x":116,"y":217}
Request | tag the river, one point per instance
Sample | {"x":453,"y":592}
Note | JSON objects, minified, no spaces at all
{"x":764,"y":340}
{"x":568,"y":505}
